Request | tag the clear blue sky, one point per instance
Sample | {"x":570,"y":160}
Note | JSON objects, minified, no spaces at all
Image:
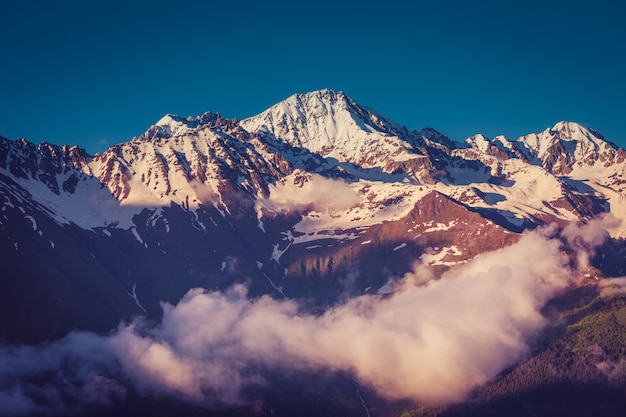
{"x":95,"y":73}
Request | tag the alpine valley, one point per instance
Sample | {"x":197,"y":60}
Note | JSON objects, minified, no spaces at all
{"x":313,"y":207}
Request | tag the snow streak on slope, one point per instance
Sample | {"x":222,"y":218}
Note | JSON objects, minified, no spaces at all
{"x":609,"y":182}
{"x":525,"y":194}
{"x":90,"y":205}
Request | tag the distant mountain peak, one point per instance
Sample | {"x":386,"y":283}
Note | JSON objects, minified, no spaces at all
{"x":573,"y":128}
{"x":168,"y":119}
{"x":479,"y":141}
{"x":569,"y":144}
{"x":333,"y":125}
{"x":190,"y":122}
{"x":172,"y":125}
{"x":323,"y":94}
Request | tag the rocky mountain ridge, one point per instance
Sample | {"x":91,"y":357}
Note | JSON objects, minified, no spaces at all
{"x":317,"y":197}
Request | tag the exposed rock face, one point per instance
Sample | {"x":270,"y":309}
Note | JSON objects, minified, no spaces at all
{"x":316,"y":197}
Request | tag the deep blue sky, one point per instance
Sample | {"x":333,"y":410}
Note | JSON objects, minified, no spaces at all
{"x":95,"y":73}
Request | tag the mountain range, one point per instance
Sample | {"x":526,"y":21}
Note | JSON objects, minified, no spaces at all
{"x":316,"y":199}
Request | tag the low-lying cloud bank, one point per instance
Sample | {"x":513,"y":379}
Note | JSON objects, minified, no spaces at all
{"x":316,"y":192}
{"x":430,"y":342}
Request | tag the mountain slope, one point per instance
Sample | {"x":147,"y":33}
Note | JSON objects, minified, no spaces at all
{"x":318,"y":200}
{"x":295,"y":199}
{"x":332,"y":125}
{"x":305,"y":189}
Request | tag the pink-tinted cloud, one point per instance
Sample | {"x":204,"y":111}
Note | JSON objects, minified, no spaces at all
{"x":431,"y":340}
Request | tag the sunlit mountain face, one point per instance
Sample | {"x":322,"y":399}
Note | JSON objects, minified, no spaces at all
{"x":316,"y":259}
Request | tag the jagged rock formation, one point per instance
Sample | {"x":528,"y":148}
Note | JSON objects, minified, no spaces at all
{"x":316,"y":197}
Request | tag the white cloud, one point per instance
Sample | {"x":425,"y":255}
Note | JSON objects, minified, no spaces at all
{"x":430,"y":341}
{"x":317,"y":192}
{"x":74,"y":374}
{"x":584,"y":238}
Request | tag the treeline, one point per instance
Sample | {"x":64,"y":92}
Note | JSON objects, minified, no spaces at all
{"x":578,"y":367}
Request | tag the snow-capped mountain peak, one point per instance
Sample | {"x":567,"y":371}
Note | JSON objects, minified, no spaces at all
{"x":479,"y":141}
{"x":173,"y":125}
{"x":567,"y":145}
{"x":168,"y":120}
{"x":562,"y":131}
{"x":577,"y":132}
{"x":193,"y":161}
{"x":333,"y":125}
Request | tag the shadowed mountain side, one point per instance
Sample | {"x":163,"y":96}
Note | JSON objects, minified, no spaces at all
{"x":316,"y":259}
{"x":437,"y":228}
